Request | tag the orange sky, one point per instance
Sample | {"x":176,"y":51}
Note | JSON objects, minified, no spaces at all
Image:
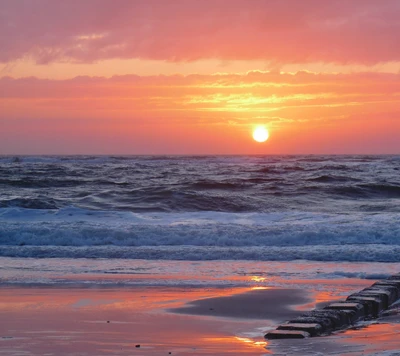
{"x":195,"y":77}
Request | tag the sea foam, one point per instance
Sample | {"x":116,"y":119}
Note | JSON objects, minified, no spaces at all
{"x":202,"y":235}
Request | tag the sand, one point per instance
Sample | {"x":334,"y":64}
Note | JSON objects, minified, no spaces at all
{"x":54,"y":321}
{"x":265,"y":304}
{"x":177,"y":321}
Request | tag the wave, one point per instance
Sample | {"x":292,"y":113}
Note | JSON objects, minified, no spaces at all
{"x":201,"y":183}
{"x":30,"y":203}
{"x":351,"y":253}
{"x":208,"y":184}
{"x":288,"y":231}
{"x":388,"y":190}
{"x":333,"y":160}
{"x":41,"y":183}
{"x":337,"y":167}
{"x":332,"y":179}
{"x":368,"y":191}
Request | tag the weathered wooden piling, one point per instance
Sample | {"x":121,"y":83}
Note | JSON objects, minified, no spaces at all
{"x":366,"y":304}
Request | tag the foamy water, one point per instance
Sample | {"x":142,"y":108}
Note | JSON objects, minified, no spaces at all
{"x":147,"y":273}
{"x":266,"y":208}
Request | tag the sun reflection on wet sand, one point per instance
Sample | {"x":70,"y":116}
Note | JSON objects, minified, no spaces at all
{"x":376,"y":337}
{"x":111,"y":321}
{"x":245,"y":345}
{"x":247,"y":341}
{"x":260,"y":288}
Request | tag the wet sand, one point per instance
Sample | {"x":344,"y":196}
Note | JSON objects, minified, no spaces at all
{"x":266,"y":304}
{"x":54,"y":321}
{"x":176,"y":321}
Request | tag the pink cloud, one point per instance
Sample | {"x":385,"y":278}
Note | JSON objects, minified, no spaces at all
{"x":278,"y":99}
{"x":282,"y":31}
{"x":255,"y":83}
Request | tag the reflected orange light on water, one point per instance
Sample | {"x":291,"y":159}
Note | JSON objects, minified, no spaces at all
{"x":259,"y":288}
{"x":375,"y":337}
{"x":244,"y":344}
{"x":258,"y":279}
{"x":252,"y":342}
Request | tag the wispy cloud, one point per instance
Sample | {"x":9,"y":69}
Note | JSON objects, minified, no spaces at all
{"x":280,"y":31}
{"x":302,"y":96}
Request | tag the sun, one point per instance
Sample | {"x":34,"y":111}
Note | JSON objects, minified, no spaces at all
{"x":260,"y":134}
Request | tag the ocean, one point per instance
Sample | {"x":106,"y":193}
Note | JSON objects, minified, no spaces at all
{"x":118,"y":213}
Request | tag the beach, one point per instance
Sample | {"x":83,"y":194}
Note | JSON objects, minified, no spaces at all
{"x":169,"y":310}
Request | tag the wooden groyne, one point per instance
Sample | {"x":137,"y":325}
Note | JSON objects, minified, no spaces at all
{"x":364,"y":305}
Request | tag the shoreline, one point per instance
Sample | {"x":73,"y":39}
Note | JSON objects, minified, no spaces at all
{"x":113,"y":321}
{"x":66,"y":307}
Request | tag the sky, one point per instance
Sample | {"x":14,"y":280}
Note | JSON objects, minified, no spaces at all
{"x":196,"y":77}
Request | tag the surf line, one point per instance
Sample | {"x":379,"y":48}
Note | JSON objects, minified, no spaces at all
{"x":365,"y":305}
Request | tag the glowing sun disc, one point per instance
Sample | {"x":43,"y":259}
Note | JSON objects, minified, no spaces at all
{"x":260,"y":134}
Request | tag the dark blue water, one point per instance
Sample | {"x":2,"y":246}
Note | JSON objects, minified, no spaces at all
{"x":209,"y":207}
{"x":188,"y":184}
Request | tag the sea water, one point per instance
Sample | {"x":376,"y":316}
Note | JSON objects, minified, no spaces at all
{"x":119,"y":213}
